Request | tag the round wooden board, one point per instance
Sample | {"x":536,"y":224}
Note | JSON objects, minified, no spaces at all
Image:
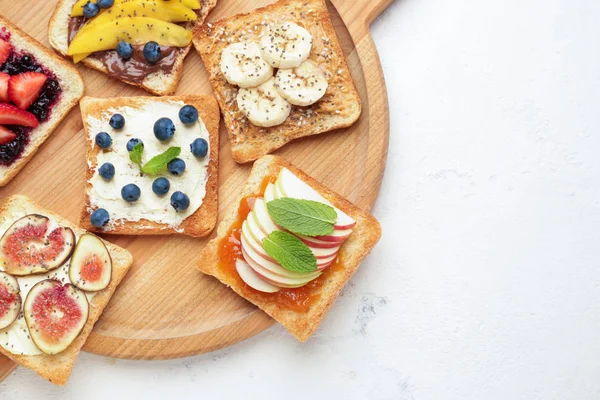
{"x":165,"y":308}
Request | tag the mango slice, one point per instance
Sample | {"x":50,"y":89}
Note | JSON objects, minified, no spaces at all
{"x":77,"y":10}
{"x":135,"y":30}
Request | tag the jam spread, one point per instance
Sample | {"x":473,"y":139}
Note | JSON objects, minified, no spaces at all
{"x":17,"y":63}
{"x":230,"y":249}
{"x":136,"y":68}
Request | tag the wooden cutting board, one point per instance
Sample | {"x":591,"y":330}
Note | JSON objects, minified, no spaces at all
{"x":165,"y":308}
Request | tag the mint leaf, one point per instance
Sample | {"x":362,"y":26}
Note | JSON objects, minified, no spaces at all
{"x":135,"y":155}
{"x":290,"y":252}
{"x":158,"y":163}
{"x":304,"y":217}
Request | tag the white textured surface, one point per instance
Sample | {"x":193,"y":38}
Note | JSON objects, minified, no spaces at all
{"x":486,"y":282}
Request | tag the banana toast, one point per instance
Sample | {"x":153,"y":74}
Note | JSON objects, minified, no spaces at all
{"x":314,"y":37}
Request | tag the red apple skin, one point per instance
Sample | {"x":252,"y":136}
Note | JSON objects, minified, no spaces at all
{"x":318,"y":245}
{"x":344,"y":227}
{"x":334,"y":239}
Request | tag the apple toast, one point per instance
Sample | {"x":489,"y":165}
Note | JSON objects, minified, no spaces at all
{"x":158,"y":76}
{"x":279,"y":73}
{"x":296,"y":286}
{"x":37,"y":90}
{"x":64,"y":273}
{"x":141,"y":197}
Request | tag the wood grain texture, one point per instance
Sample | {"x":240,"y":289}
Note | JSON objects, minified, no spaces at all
{"x":165,"y":308}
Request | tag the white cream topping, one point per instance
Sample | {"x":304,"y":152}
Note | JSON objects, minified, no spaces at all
{"x":16,"y":338}
{"x":139,"y":123}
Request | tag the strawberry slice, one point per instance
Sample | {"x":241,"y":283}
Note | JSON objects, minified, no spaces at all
{"x":6,"y":135}
{"x":24,"y":88}
{"x":4,"y":87}
{"x":5,"y":49}
{"x":11,"y":115}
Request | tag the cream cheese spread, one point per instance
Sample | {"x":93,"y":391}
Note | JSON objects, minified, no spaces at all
{"x":139,"y":123}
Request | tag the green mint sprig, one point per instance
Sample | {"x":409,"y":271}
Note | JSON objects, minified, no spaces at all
{"x":156,"y":164}
{"x":304,"y":217}
{"x":290,"y":252}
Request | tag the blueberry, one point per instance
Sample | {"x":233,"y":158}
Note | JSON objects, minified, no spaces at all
{"x":99,"y":218}
{"x":176,"y":166}
{"x":107,"y":171}
{"x":130,"y":192}
{"x":90,"y":10}
{"x":161,"y":186}
{"x":132,"y":142}
{"x":151,"y":52}
{"x":124,"y":50}
{"x":103,"y":140}
{"x":105,"y":3}
{"x":117,"y":121}
{"x":164,"y":129}
{"x":199,"y":147}
{"x":188,"y":114}
{"x":180,"y":201}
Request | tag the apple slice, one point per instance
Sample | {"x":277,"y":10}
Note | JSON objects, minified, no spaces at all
{"x":91,"y":265}
{"x":55,"y":314}
{"x":10,"y":300}
{"x":289,"y":185}
{"x":265,"y":261}
{"x":337,"y":236}
{"x":269,"y":194}
{"x":252,"y":279}
{"x":274,"y":279}
{"x":28,"y":248}
{"x":314,"y":242}
{"x":262,"y":217}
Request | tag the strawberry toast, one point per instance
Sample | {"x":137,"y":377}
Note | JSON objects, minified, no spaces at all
{"x":37,"y":90}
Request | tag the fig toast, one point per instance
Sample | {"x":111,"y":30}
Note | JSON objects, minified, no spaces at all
{"x":57,"y":367}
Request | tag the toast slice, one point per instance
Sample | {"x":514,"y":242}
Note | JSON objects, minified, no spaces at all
{"x":160,"y":83}
{"x":301,"y":323}
{"x":204,"y":219}
{"x":57,"y":368}
{"x":339,"y":108}
{"x":70,"y":83}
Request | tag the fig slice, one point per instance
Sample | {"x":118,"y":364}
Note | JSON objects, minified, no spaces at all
{"x":10,"y":300}
{"x":55,"y":314}
{"x":27,"y":247}
{"x":91,"y":265}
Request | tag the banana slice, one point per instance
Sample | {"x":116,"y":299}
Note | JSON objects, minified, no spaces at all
{"x":286,"y":45}
{"x":302,"y":86}
{"x":242,"y":65}
{"x":263,"y":105}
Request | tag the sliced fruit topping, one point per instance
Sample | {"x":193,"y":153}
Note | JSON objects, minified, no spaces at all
{"x":135,"y":30}
{"x":10,"y":300}
{"x":263,"y":105}
{"x":303,"y":85}
{"x":286,"y":45}
{"x":6,"y":135}
{"x":28,"y":248}
{"x":243,"y":65}
{"x":77,"y":10}
{"x":4,"y":78}
{"x":5,"y":49}
{"x":254,"y":280}
{"x":55,"y":314}
{"x":91,"y":265}
{"x":11,"y":115}
{"x":24,"y":89}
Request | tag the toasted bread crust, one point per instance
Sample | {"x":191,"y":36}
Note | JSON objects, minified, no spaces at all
{"x":57,"y":368}
{"x":201,"y":222}
{"x":72,"y":91}
{"x":339,"y":108}
{"x":365,"y":235}
{"x":158,"y":83}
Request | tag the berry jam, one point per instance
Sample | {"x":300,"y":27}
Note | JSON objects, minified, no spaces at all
{"x":18,"y":63}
